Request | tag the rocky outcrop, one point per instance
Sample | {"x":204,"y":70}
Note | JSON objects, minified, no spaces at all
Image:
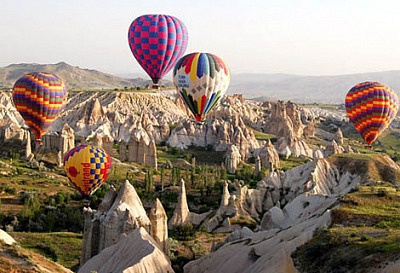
{"x":339,"y":137}
{"x":67,"y":139}
{"x":285,"y":122}
{"x":11,"y":122}
{"x":12,"y":131}
{"x":333,"y":148}
{"x":181,"y":215}
{"x":159,"y":225}
{"x":136,"y":252}
{"x":268,"y":156}
{"x":294,"y":205}
{"x":237,"y":104}
{"x":220,"y":221}
{"x":105,"y":143}
{"x":392,"y":267}
{"x":218,"y":133}
{"x":309,"y":130}
{"x":6,"y":238}
{"x":124,"y":116}
{"x":118,"y":116}
{"x":232,"y":159}
{"x":118,"y":213}
{"x":140,"y":148}
{"x":62,"y":141}
{"x":267,"y":203}
{"x":264,"y":251}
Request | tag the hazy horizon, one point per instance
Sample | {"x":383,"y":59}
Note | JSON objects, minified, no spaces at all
{"x":309,"y":37}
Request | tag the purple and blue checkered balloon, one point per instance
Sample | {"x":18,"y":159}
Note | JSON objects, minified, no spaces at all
{"x":157,"y":42}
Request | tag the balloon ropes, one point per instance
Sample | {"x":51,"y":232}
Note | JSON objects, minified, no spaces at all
{"x":371,"y":107}
{"x":39,"y":97}
{"x":87,"y":168}
{"x":201,"y":79}
{"x":157,"y":42}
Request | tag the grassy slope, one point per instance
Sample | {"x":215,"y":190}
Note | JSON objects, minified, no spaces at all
{"x":61,"y":247}
{"x":17,"y":259}
{"x":365,"y":233}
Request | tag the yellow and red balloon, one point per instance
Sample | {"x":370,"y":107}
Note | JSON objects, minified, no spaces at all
{"x":87,"y":168}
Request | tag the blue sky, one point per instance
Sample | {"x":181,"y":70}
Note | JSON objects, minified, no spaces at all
{"x":305,"y":37}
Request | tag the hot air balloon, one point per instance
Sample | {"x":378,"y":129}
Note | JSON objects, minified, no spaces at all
{"x":371,"y":106}
{"x":201,"y":79}
{"x":39,"y":97}
{"x":157,"y":42}
{"x":87,"y":168}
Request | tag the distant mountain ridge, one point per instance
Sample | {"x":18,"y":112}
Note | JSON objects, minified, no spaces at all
{"x":296,"y":88}
{"x":307,"y":89}
{"x":75,"y":77}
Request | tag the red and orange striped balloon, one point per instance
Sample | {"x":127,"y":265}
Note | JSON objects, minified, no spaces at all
{"x":39,"y":98}
{"x":371,"y":107}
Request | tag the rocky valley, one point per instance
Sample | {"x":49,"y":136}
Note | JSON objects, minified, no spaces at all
{"x":303,"y":159}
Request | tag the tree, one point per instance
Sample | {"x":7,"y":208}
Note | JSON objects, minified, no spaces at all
{"x":149,"y":180}
{"x":32,"y":208}
{"x":174,"y":176}
{"x":162,"y":178}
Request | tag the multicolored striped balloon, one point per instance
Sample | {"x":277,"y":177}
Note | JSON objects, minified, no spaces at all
{"x":39,"y":97}
{"x":201,"y":79}
{"x":157,"y":42}
{"x":371,"y":106}
{"x":87,"y":168}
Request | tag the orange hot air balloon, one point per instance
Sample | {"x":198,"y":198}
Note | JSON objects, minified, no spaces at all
{"x":371,"y":107}
{"x":87,"y":168}
{"x":39,"y":97}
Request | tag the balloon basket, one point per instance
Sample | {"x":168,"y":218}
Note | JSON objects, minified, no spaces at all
{"x":86,"y":203}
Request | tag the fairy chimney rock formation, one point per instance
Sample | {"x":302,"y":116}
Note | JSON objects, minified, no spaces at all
{"x":104,"y":142}
{"x":181,"y":214}
{"x":285,"y":122}
{"x":136,"y":252}
{"x":218,"y":133}
{"x":96,"y":112}
{"x":226,"y":207}
{"x":28,"y":147}
{"x":268,"y":156}
{"x":12,"y":131}
{"x":339,"y":137}
{"x":67,"y":139}
{"x":232,"y":159}
{"x":309,"y":130}
{"x":257,"y":167}
{"x":118,"y":213}
{"x":59,"y":141}
{"x":140,"y":148}
{"x":333,"y":148}
{"x":225,"y":195}
{"x":159,"y":225}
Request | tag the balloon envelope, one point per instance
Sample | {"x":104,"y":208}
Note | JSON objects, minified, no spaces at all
{"x":201,"y":79}
{"x":39,"y":97}
{"x":87,"y":168}
{"x":157,"y":42}
{"x":371,"y":106}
